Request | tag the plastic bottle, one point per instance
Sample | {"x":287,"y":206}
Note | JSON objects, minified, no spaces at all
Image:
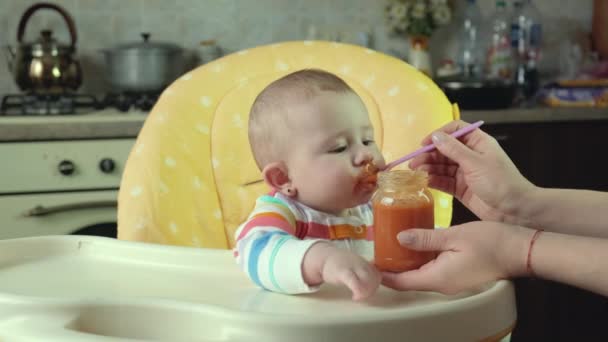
{"x":526,"y":40}
{"x":499,"y":54}
{"x":470,"y":53}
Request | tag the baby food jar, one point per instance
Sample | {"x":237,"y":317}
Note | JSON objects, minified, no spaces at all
{"x":402,"y":201}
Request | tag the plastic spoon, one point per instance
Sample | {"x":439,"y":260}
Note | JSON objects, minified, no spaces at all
{"x":456,"y":134}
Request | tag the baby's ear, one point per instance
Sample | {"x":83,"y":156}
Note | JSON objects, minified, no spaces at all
{"x":276,"y":176}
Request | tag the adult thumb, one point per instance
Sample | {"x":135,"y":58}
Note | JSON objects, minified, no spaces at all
{"x":453,"y":148}
{"x":423,"y":239}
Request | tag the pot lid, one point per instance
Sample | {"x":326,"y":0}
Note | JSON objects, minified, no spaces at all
{"x":146,"y":44}
{"x":46,"y":43}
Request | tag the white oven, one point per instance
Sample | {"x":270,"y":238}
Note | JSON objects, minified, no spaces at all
{"x":60,"y":187}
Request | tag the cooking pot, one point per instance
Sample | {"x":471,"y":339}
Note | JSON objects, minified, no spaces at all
{"x":45,"y":66}
{"x":478,"y":94}
{"x":144,"y":66}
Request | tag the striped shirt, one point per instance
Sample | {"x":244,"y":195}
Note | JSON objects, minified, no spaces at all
{"x":272,"y":242}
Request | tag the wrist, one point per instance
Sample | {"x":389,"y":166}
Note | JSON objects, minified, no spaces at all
{"x":313,"y":262}
{"x":516,"y":251}
{"x":529,"y":269}
{"x":526,"y":208}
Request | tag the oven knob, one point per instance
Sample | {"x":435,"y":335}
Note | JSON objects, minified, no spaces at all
{"x":107,"y":165}
{"x":66,"y":167}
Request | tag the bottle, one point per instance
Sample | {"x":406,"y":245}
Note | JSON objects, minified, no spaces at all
{"x":209,"y":51}
{"x":402,"y":201}
{"x":418,"y":55}
{"x":526,"y":39}
{"x":499,"y":55}
{"x":470,"y":52}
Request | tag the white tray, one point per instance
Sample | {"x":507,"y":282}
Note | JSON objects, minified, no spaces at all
{"x":80,"y":288}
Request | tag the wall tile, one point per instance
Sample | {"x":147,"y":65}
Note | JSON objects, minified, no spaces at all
{"x":238,"y":24}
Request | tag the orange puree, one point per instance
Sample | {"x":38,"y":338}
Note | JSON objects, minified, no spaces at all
{"x":389,"y":220}
{"x":370,"y":173}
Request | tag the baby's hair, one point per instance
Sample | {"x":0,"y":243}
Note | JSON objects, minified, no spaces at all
{"x":269,"y":112}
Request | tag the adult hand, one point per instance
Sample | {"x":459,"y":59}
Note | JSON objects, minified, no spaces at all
{"x":470,"y":255}
{"x":476,"y":171}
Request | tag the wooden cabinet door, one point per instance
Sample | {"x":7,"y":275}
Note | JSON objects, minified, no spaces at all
{"x":560,"y":155}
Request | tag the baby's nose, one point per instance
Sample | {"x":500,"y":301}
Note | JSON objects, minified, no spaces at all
{"x":363,"y":157}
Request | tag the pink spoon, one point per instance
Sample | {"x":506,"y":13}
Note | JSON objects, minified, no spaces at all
{"x":456,"y":134}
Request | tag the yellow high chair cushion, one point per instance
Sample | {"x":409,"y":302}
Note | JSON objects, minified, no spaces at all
{"x":185,"y":182}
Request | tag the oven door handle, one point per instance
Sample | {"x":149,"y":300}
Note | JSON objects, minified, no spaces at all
{"x":40,"y":210}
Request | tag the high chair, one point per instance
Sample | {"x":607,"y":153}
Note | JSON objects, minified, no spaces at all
{"x":187,"y":179}
{"x":190,"y":180}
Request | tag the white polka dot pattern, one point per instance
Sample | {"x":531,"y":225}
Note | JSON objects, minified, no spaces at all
{"x":161,"y":118}
{"x":237,"y":120}
{"x":139,"y":148}
{"x":281,"y":66}
{"x":170,"y":162}
{"x":394,"y":91}
{"x":345,"y":69}
{"x":136,"y":191}
{"x":203,"y":128}
{"x":206,"y":101}
{"x":197,"y":183}
{"x":218,"y":67}
{"x":422,"y":86}
{"x":163,"y":188}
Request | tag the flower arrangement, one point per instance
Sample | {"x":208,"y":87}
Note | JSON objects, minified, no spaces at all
{"x":417,"y":17}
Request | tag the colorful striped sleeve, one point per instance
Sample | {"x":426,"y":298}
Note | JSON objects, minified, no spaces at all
{"x":268,"y":251}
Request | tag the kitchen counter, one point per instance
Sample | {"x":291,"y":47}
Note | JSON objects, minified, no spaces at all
{"x":114,"y":124}
{"x":535,"y":115}
{"x":103,"y":124}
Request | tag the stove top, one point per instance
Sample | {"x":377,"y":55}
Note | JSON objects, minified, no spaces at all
{"x":35,"y":104}
{"x":72,"y":103}
{"x":128,"y":100}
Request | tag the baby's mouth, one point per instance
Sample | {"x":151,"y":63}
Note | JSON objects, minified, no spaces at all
{"x":368,"y":179}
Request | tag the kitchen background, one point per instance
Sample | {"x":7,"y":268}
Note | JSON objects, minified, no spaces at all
{"x":238,"y":24}
{"x":65,"y":170}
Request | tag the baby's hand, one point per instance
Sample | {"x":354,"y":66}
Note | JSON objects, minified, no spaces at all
{"x":344,"y":267}
{"x":325,"y":262}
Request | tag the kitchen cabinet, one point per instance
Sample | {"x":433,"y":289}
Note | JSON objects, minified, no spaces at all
{"x":564,"y":154}
{"x":64,"y":172}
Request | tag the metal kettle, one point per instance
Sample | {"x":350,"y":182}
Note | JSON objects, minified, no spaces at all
{"x":45,"y":66}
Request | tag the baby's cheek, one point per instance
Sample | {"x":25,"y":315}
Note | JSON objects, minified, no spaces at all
{"x":334,"y":182}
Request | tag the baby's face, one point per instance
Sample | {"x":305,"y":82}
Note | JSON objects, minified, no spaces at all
{"x":331,"y":140}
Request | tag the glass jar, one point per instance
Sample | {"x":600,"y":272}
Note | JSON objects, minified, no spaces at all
{"x":402,"y":201}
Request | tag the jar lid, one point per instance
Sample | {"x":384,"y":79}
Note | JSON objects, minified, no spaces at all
{"x":403,"y":179}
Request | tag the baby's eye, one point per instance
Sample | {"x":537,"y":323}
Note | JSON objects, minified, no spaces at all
{"x":338,"y":149}
{"x":368,"y":142}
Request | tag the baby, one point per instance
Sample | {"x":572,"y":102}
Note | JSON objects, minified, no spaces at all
{"x":312,"y":138}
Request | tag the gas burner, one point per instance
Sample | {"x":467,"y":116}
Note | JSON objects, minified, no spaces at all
{"x":57,"y":104}
{"x":127,"y":100}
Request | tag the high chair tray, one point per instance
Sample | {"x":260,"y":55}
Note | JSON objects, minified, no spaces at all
{"x":80,"y":288}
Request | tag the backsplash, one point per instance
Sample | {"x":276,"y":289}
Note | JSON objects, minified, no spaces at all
{"x":238,"y":24}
